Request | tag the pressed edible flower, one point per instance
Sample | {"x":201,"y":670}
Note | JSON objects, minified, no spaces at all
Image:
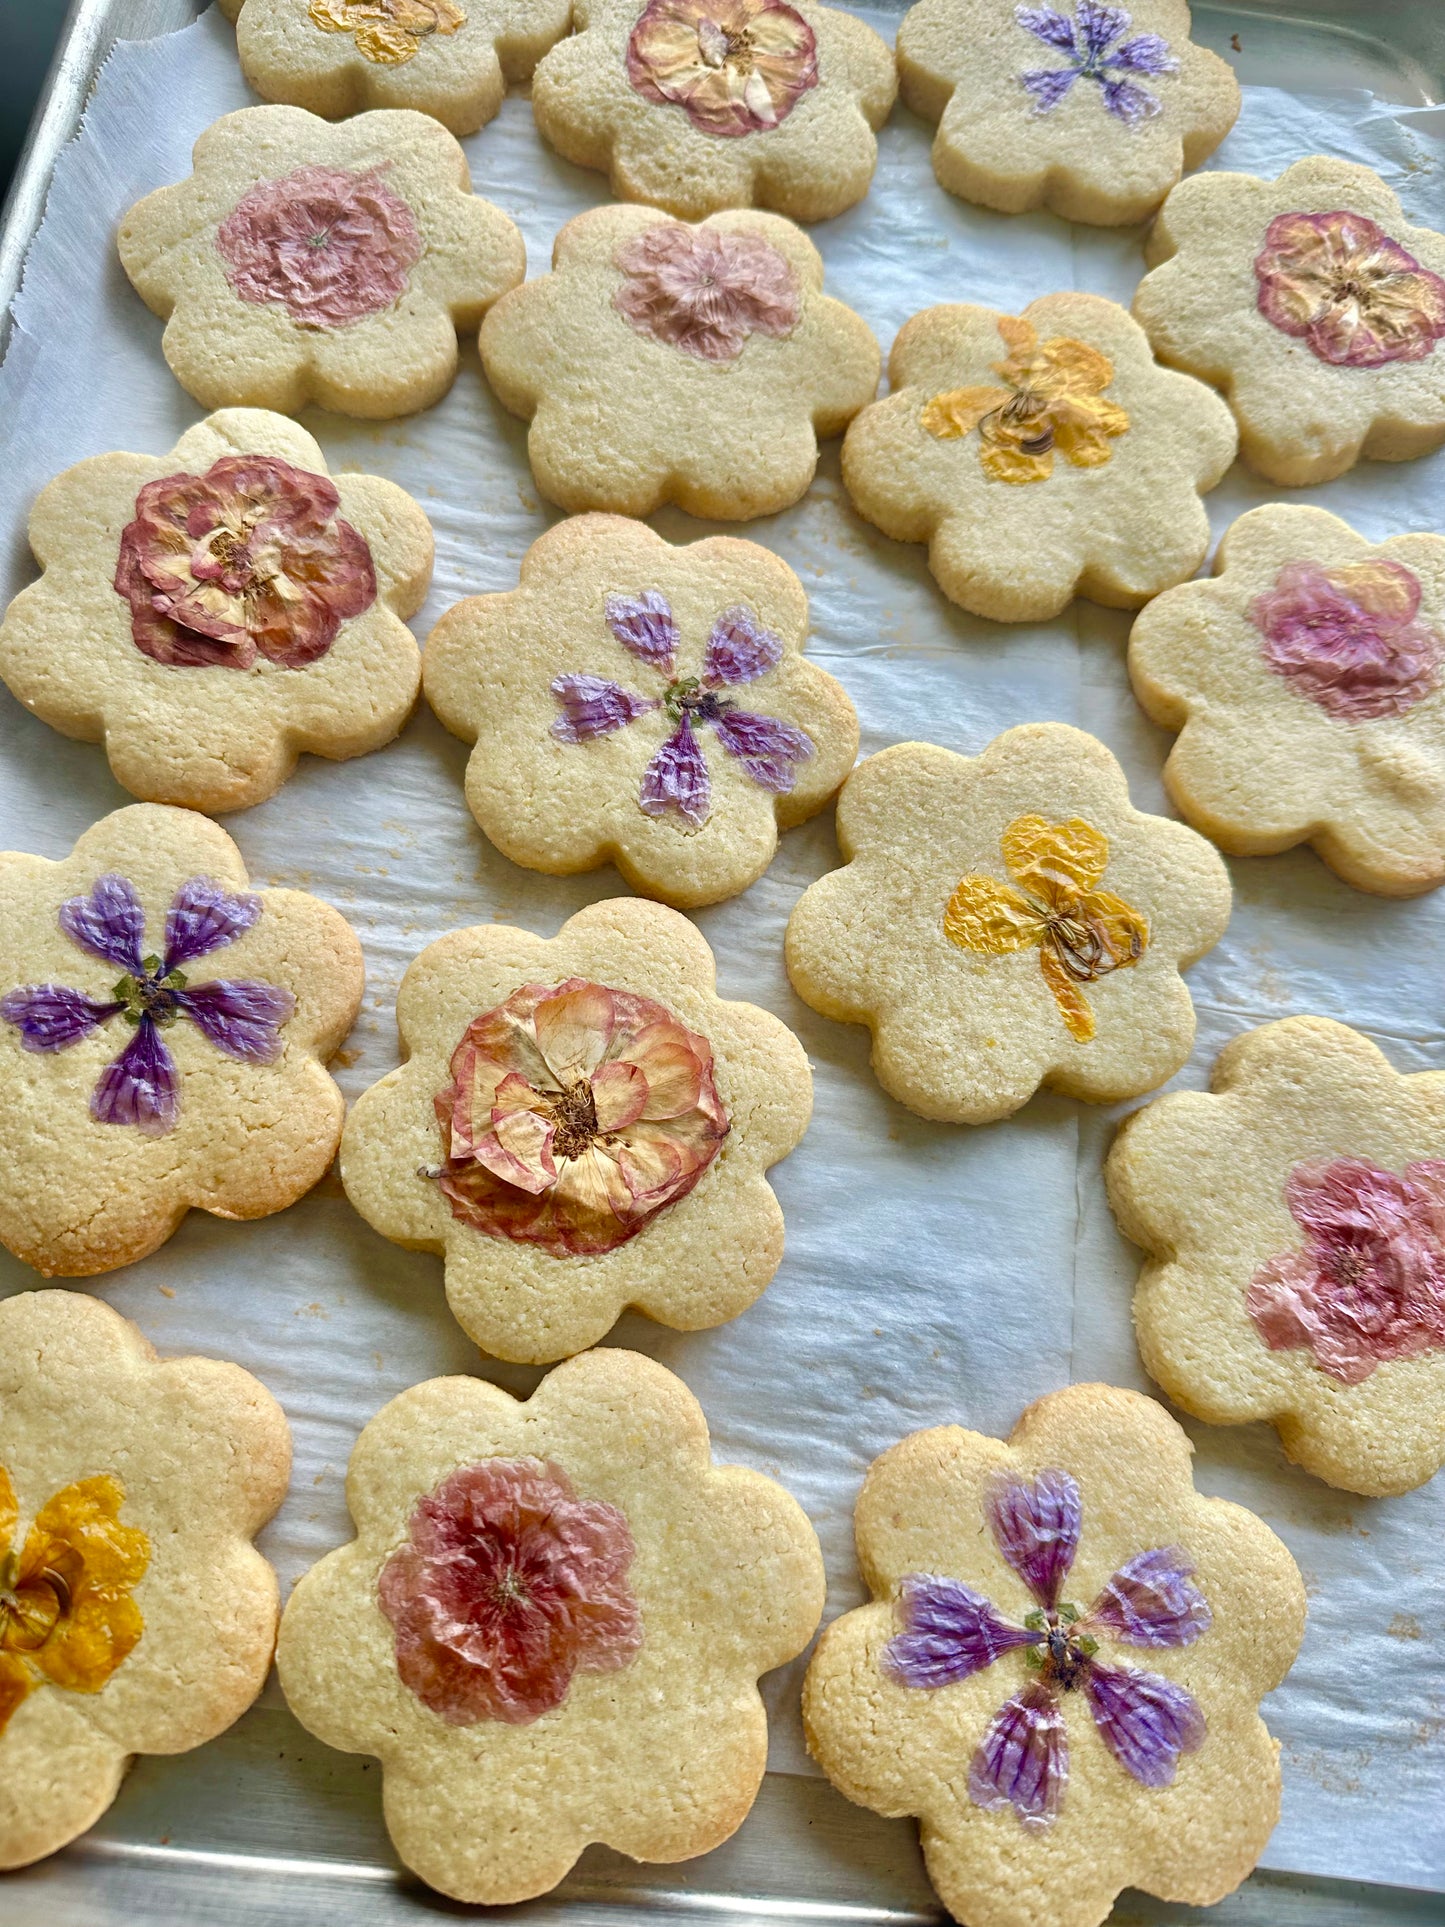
{"x":389,"y":32}
{"x":1355,"y":297}
{"x":1350,"y":639}
{"x":1093,"y":43}
{"x":734,"y":66}
{"x":705,"y":289}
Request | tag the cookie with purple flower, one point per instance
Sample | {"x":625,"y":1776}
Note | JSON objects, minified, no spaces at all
{"x":1091,"y":111}
{"x":642,"y":704}
{"x":164,"y":1032}
{"x":1313,"y":305}
{"x":302,"y":262}
{"x":1060,"y":1669}
{"x":1294,"y":1220}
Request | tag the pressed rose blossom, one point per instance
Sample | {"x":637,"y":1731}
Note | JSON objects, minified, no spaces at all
{"x":248,"y":559}
{"x":1370,"y":1282}
{"x":1081,"y":932}
{"x":508,"y":1585}
{"x":705,"y":290}
{"x":389,"y":32}
{"x":739,"y":650}
{"x":1093,"y":43}
{"x":1350,"y":638}
{"x":1356,"y":298}
{"x":331,"y":246}
{"x":575,"y":1114}
{"x":242,"y":1019}
{"x":734,"y":66}
{"x":1054,"y":399}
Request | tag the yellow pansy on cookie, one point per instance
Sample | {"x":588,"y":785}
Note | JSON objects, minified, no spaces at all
{"x":581,"y":1125}
{"x":1294,"y":1217}
{"x":1313,"y":304}
{"x":697,"y":105}
{"x":451,"y":59}
{"x":1060,"y":1670}
{"x":1307,"y":681}
{"x":1040,"y":456}
{"x":135,"y":1615}
{"x":662,"y":362}
{"x":1008,"y":920}
{"x":302,"y":262}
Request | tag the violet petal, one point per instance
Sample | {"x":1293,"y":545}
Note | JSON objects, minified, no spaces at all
{"x":140,"y":1086}
{"x":1145,"y":1720}
{"x":1036,"y":1528}
{"x":1023,"y":1759}
{"x":1129,"y":103}
{"x":204,"y":917}
{"x":591,"y":706}
{"x":49,"y":1017}
{"x":766,"y":747}
{"x":739,"y":648}
{"x":644,"y":624}
{"x":1055,"y":29}
{"x":242,"y":1019}
{"x":1048,"y":85}
{"x":1153,"y":1601}
{"x":1146,"y":53}
{"x":109,"y":923}
{"x":1099,"y":27}
{"x":949,"y":1632}
{"x":677,"y":778}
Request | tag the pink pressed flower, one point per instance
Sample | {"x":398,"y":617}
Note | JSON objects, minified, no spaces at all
{"x":734,"y":66}
{"x":704,"y":290}
{"x":329,"y":245}
{"x":1370,"y":1282}
{"x":508,"y":1585}
{"x":1350,"y":638}
{"x":1357,"y":298}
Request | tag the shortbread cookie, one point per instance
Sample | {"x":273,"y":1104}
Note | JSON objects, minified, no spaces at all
{"x":135,"y":1614}
{"x":452,"y":59}
{"x":1061,"y":1668}
{"x":1040,"y":456}
{"x":582,"y":1125}
{"x":210,"y":613}
{"x":665,"y":363}
{"x":302,"y":262}
{"x":697,"y":106}
{"x":1314,"y":305}
{"x":1008,"y":920}
{"x":556,"y":1610}
{"x":1306,"y":681}
{"x":645,"y":705}
{"x":164,"y":1032}
{"x":1295,"y":1221}
{"x":1091,"y":111}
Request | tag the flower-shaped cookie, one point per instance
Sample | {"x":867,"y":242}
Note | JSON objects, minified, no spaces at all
{"x":583,"y":1125}
{"x":210,"y":613}
{"x":1308,"y":683}
{"x":1040,"y":457}
{"x":1008,"y":920}
{"x":697,"y":105}
{"x":545,"y":1608}
{"x":451,"y":59}
{"x":1089,"y":110}
{"x":135,"y":1615}
{"x":303,"y":262}
{"x":1295,"y":1220}
{"x":665,"y":363}
{"x":1314,"y":306}
{"x":163,"y":1036}
{"x":1060,"y":1670}
{"x":642,"y":704}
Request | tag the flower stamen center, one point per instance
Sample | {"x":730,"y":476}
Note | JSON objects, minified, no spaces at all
{"x":1064,"y":1652}
{"x":574,"y":1120}
{"x":152,"y":995}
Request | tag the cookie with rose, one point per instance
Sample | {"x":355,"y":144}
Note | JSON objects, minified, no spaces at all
{"x":209,"y":613}
{"x":164,"y":1035}
{"x":642,"y":704}
{"x":546,"y":1607}
{"x":1313,"y":305}
{"x":666,"y":362}
{"x":1294,"y":1221}
{"x":451,"y":59}
{"x":136,"y":1616}
{"x":696,"y":105}
{"x":304,"y":262}
{"x":1060,"y":1669}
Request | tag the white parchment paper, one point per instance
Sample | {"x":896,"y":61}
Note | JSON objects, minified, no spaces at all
{"x":932,"y":1274}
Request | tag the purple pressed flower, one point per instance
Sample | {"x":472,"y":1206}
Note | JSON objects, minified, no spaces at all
{"x":644,"y":624}
{"x":1093,"y":41}
{"x":592,"y":706}
{"x":676,"y":778}
{"x":1023,"y":1759}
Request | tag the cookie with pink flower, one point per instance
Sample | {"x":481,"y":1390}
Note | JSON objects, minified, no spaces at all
{"x":303,"y":262}
{"x":546,"y":1606}
{"x":1294,"y":1221}
{"x":210,"y":613}
{"x":1307,"y":683}
{"x":696,"y":105}
{"x":642,"y":704}
{"x":1313,"y":304}
{"x":663,"y":362}
{"x":1060,"y":1669}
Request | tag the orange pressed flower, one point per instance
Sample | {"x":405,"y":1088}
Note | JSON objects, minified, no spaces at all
{"x":388,"y":31}
{"x":1081,"y":932}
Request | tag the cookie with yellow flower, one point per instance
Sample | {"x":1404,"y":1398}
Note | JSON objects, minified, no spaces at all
{"x":1040,"y":456}
{"x":1006,"y":921}
{"x":697,"y":105}
{"x":1313,"y":304}
{"x":135,"y":1614}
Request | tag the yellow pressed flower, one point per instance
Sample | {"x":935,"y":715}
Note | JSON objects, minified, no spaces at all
{"x":1080,"y":931}
{"x":388,"y":32}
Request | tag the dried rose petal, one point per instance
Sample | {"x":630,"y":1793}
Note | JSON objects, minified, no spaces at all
{"x":1146,"y":1721}
{"x":1355,"y":297}
{"x":1350,"y":639}
{"x":734,"y":66}
{"x":1023,"y":1759}
{"x":704,"y":289}
{"x":949,"y":1632}
{"x":1035,"y":1524}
